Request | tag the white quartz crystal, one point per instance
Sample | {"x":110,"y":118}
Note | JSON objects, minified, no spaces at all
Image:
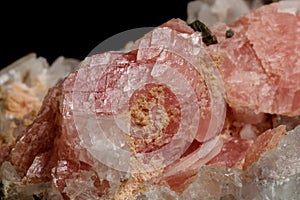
{"x":210,"y":12}
{"x":277,"y":173}
{"x":214,"y":183}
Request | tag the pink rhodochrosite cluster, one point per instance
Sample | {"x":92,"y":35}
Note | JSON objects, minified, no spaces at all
{"x":147,"y":123}
{"x":129,"y":116}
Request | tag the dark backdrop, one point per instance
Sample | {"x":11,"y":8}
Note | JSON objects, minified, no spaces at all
{"x":74,"y":29}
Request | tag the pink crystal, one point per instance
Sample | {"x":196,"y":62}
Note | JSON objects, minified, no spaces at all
{"x":156,"y":114}
{"x":260,"y":65}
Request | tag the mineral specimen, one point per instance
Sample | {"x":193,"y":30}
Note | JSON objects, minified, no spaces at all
{"x":261,"y":72}
{"x":172,"y":118}
{"x":23,"y":85}
{"x":276,"y":174}
{"x":214,"y":11}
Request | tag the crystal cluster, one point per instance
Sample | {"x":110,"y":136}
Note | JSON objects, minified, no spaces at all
{"x":172,"y":118}
{"x":23,"y":85}
{"x":276,"y":174}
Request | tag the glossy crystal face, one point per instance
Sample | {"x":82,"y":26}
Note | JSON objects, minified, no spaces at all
{"x":171,"y":117}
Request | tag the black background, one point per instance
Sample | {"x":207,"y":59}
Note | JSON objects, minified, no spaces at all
{"x":73,"y":29}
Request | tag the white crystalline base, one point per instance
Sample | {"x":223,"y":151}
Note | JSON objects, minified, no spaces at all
{"x":212,"y":11}
{"x":12,"y":189}
{"x":275,"y":176}
{"x":23,"y":85}
{"x":277,"y":173}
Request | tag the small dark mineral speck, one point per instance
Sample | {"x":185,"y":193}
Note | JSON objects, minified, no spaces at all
{"x":1,"y":190}
{"x":229,"y":33}
{"x":228,"y":197}
{"x":207,"y":36}
{"x":35,"y":197}
{"x":269,"y":1}
{"x":141,"y":197}
{"x":123,"y":179}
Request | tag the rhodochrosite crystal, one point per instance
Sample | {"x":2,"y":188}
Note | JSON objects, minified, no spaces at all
{"x":172,"y":118}
{"x":121,"y":119}
{"x":260,"y":64}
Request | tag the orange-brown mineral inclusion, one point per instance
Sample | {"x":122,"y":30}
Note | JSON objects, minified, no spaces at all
{"x":155,"y":117}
